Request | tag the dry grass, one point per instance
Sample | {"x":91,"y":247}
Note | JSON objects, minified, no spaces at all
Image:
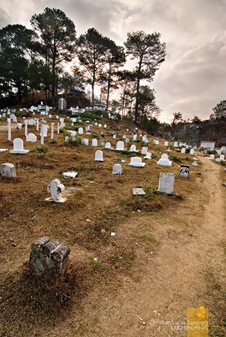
{"x":101,"y":203}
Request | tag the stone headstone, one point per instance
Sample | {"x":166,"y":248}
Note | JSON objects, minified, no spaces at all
{"x":108,"y":145}
{"x":94,"y":142}
{"x":144,"y":150}
{"x":18,"y":147}
{"x":195,"y":163}
{"x":117,"y":169}
{"x":48,"y":259}
{"x":99,"y":155}
{"x":164,"y":161}
{"x":62,"y":105}
{"x":183,"y":150}
{"x":80,"y":131}
{"x":148,"y":155}
{"x":55,"y":188}
{"x":31,"y":137}
{"x":133,"y":148}
{"x":136,"y":162}
{"x":8,"y":170}
{"x":192,"y":151}
{"x":120,"y":146}
{"x":212,"y":156}
{"x":69,"y":174}
{"x":138,"y":191}
{"x":166,"y":183}
{"x":184,"y":171}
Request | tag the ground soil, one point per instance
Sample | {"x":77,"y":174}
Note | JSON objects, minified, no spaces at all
{"x":170,"y":280}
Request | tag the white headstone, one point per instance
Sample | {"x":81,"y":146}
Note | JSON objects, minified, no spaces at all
{"x":117,"y":169}
{"x":133,"y":148}
{"x":31,"y":137}
{"x":18,"y":147}
{"x":120,"y":146}
{"x":212,"y":156}
{"x":166,"y":183}
{"x":135,"y":137}
{"x":138,"y":191}
{"x":55,"y":188}
{"x":44,"y":130}
{"x":9,"y":129}
{"x":195,"y":163}
{"x":148,"y":155}
{"x":144,"y":150}
{"x":80,"y":131}
{"x":107,"y":145}
{"x":94,"y":142}
{"x":166,"y":143}
{"x":136,"y":162}
{"x":183,"y":150}
{"x":52,"y":130}
{"x":99,"y":155}
{"x":192,"y":151}
{"x":164,"y":161}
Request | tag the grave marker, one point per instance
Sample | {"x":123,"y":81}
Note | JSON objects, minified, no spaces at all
{"x":166,"y":183}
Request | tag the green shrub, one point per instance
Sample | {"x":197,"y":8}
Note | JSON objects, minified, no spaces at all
{"x":149,"y":190}
{"x":41,"y":149}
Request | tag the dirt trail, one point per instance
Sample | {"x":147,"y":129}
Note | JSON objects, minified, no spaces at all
{"x":174,"y":278}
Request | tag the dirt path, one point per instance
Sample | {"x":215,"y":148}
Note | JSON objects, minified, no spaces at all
{"x":173,"y":279}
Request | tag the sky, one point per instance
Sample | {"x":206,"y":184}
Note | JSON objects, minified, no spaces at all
{"x":192,"y":79}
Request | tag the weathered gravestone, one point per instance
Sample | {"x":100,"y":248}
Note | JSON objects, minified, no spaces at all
{"x":166,"y":183}
{"x":184,"y":171}
{"x":55,"y":188}
{"x":7,"y":170}
{"x":48,"y":259}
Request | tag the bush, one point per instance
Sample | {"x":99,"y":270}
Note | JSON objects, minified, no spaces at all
{"x":176,"y":159}
{"x":149,"y":190}
{"x":41,"y":149}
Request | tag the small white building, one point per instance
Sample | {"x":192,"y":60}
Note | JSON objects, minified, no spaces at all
{"x":210,"y":145}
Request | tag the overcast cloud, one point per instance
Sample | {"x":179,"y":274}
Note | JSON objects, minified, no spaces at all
{"x":192,"y":80}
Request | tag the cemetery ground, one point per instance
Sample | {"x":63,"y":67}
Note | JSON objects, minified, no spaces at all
{"x":136,"y":262}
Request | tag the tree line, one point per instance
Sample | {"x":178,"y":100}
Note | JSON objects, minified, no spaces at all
{"x":35,"y":59}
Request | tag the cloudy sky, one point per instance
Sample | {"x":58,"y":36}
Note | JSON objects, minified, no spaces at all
{"x":192,"y":80}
